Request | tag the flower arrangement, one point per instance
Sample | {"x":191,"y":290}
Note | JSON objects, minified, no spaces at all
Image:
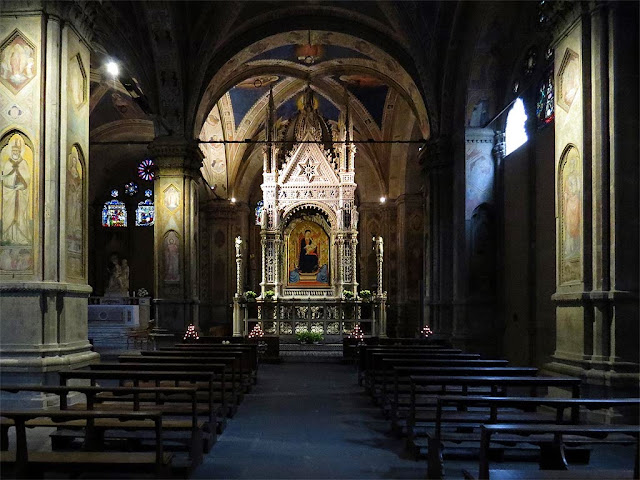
{"x":426,"y":331}
{"x":348,"y":294}
{"x":256,"y":332}
{"x":250,"y":295}
{"x":309,"y":337}
{"x":142,"y":292}
{"x":269,"y":294}
{"x":191,"y":333}
{"x":365,"y":295}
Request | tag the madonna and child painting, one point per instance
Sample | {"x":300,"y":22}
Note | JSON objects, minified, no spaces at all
{"x":308,"y":255}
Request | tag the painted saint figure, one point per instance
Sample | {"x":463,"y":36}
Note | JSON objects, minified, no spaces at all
{"x":308,"y":261}
{"x":15,"y":197}
{"x":171,"y":259}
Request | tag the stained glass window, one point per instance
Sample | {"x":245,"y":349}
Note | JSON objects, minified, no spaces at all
{"x":146,"y":170}
{"x":145,"y":213}
{"x":114,"y":212}
{"x":131,"y":188}
{"x":545,"y":105}
{"x":515,"y":133}
{"x":259,"y":207}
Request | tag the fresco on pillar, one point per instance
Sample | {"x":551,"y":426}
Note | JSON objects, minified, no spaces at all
{"x":570,"y":200}
{"x":75,"y":214}
{"x":308,"y":255}
{"x":16,"y":204}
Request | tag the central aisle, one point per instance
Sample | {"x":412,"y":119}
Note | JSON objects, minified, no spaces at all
{"x":308,"y":420}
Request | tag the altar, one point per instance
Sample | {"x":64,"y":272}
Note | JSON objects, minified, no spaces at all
{"x":110,"y":319}
{"x":309,"y":232}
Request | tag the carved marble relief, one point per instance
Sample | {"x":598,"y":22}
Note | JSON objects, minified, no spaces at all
{"x":17,"y":62}
{"x":16,"y":204}
{"x":75,"y":213}
{"x":570,"y":208}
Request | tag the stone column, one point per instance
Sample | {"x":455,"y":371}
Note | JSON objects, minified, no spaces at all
{"x":44,"y":140}
{"x":175,"y":232}
{"x":238,"y":316}
{"x":438,"y":170}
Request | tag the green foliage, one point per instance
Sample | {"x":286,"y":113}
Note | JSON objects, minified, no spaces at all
{"x":365,"y":294}
{"x":250,"y":295}
{"x":269,"y":294}
{"x":309,"y":337}
{"x":348,"y":294}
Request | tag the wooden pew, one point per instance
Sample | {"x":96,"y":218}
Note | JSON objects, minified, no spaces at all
{"x":374,"y":361}
{"x":251,"y":348}
{"x":398,"y":409}
{"x":223,"y":394}
{"x":27,"y":464}
{"x":391,"y":380}
{"x":496,"y":410}
{"x":249,"y":354}
{"x":365,"y":352}
{"x":239,"y":376}
{"x":192,"y":425}
{"x":215,"y":413}
{"x":424,"y":385}
{"x":552,"y":450}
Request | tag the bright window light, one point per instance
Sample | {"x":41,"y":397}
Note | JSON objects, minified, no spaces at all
{"x":515,"y":133}
{"x":383,"y":199}
{"x":113,"y":69}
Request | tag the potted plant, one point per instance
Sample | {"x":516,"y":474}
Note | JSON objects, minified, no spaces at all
{"x":348,"y":294}
{"x":250,"y":295}
{"x":365,"y":295}
{"x":309,"y":337}
{"x":269,"y":294}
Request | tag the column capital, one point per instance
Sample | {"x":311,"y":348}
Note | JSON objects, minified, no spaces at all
{"x":436,"y":153}
{"x":176,"y":153}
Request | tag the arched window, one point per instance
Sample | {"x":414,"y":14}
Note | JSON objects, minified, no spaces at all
{"x":114,"y":212}
{"x":145,"y":213}
{"x":515,"y":133}
{"x":259,"y":207}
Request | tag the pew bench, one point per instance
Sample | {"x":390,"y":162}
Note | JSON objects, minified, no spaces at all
{"x":186,"y":430}
{"x":551,"y":439}
{"x":215,"y":413}
{"x":397,"y":402}
{"x":426,"y":388}
{"x":497,"y":410}
{"x":23,"y":463}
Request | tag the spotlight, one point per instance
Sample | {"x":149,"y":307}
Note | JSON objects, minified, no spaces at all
{"x":113,"y":69}
{"x":383,"y":199}
{"x":233,"y":199}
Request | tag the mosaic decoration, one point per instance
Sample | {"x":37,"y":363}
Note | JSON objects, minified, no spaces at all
{"x":145,"y":213}
{"x":545,"y":110}
{"x":114,"y":212}
{"x":131,"y":188}
{"x":146,"y":170}
{"x":17,"y":62}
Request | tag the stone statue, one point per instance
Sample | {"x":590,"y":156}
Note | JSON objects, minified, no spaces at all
{"x":118,"y":284}
{"x":238,"y":246}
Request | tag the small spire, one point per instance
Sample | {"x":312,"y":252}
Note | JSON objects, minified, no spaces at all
{"x":270,"y":116}
{"x":347,"y":120}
